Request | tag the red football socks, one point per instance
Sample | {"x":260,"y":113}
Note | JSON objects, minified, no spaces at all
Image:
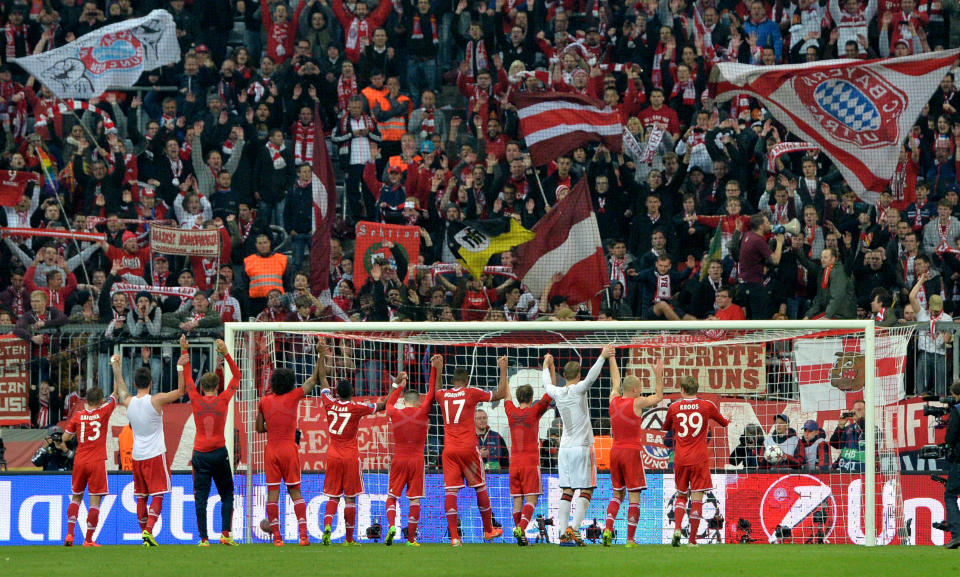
{"x":525,"y":515}
{"x":483,"y":503}
{"x":413,"y":521}
{"x":633,"y":517}
{"x":391,"y":512}
{"x":73,"y":509}
{"x":93,"y":517}
{"x":156,"y":506}
{"x":613,"y":509}
{"x":350,"y":519}
{"x":450,"y":506}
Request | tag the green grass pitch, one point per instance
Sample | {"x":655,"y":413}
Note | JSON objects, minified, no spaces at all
{"x":483,"y":560}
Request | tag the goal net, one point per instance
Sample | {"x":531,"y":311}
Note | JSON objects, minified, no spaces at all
{"x":809,"y":455}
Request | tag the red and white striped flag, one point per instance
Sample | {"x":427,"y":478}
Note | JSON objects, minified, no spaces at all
{"x":857,"y":111}
{"x":700,"y":32}
{"x":555,"y":123}
{"x":566,"y":241}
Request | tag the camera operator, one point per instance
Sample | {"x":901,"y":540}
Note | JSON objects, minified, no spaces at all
{"x":848,"y":438}
{"x":952,"y":488}
{"x":54,"y":454}
{"x":749,"y":452}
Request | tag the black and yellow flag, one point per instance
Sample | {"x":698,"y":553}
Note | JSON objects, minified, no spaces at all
{"x":474,"y":242}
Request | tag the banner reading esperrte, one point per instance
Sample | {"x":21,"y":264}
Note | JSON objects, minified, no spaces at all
{"x":115,"y":55}
{"x":738,"y":369}
{"x":14,"y":373}
{"x":172,"y":240}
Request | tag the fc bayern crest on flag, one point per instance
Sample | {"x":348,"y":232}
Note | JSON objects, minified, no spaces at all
{"x":860,"y":108}
{"x":857,"y":112}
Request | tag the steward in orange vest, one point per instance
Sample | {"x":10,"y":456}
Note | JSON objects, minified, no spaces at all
{"x":265,"y":271}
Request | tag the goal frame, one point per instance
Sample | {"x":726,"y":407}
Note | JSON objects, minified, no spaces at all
{"x":233,"y":329}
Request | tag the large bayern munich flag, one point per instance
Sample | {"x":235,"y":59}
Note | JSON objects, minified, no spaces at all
{"x":112,"y":56}
{"x":858,"y":112}
{"x":565,"y":241}
{"x":555,"y":123}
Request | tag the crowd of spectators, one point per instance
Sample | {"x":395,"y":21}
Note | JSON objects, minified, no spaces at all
{"x":415,"y":102}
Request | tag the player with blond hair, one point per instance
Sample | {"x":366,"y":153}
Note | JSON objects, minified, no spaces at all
{"x":689,"y":420}
{"x":576,"y":460}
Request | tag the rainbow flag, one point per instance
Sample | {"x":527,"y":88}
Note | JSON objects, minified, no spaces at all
{"x":49,"y":171}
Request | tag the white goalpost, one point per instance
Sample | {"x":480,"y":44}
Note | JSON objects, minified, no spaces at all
{"x":769,"y":377}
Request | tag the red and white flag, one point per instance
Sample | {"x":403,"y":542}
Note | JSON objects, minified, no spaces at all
{"x":555,"y":123}
{"x":13,"y":185}
{"x":857,"y":111}
{"x":324,"y":210}
{"x":700,"y":32}
{"x":566,"y":241}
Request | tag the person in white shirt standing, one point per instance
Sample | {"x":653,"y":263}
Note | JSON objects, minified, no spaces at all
{"x":931,"y":342}
{"x":576,"y":460}
{"x":151,"y":473}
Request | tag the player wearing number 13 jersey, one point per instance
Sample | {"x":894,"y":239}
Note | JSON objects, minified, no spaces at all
{"x":461,"y":458}
{"x":689,"y":420}
{"x":89,"y":425}
{"x":343,"y":475}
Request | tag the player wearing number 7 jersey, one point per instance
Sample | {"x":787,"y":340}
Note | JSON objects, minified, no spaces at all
{"x":689,"y":420}
{"x":461,"y":458}
{"x":409,"y":425}
{"x":277,"y":417}
{"x":344,"y":477}
{"x":626,"y":454}
{"x":89,"y":425}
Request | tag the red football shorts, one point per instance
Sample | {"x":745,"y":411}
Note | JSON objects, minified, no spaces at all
{"x":626,"y":469}
{"x":343,"y":478}
{"x":90,"y":475}
{"x":692,"y":478}
{"x":524,"y":481}
{"x":282,"y":465}
{"x":151,"y":476}
{"x":460,"y":467}
{"x":406,"y":473}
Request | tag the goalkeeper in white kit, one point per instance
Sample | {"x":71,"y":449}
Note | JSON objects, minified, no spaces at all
{"x":576,"y":460}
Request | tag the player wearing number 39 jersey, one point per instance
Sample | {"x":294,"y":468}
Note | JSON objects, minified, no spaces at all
{"x":461,"y":458}
{"x":689,"y":420}
{"x":89,"y":425}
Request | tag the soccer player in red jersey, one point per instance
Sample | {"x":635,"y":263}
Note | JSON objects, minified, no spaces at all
{"x":461,"y":457}
{"x":524,"y":421}
{"x":210,"y":458}
{"x":344,"y":477}
{"x":89,"y":425}
{"x":277,"y":417}
{"x":626,"y":454}
{"x":409,"y":428}
{"x":689,"y":420}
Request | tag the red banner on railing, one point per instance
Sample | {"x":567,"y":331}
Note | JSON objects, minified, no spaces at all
{"x":172,"y":240}
{"x":14,"y":375}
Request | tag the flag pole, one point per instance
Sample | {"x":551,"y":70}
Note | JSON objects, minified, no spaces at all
{"x":536,"y":175}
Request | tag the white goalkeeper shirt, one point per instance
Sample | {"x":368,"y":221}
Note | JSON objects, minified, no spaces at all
{"x":574,"y":409}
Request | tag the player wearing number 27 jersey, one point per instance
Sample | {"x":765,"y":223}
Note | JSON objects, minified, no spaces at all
{"x":461,"y":459}
{"x":689,"y":420}
{"x":343,"y":475}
